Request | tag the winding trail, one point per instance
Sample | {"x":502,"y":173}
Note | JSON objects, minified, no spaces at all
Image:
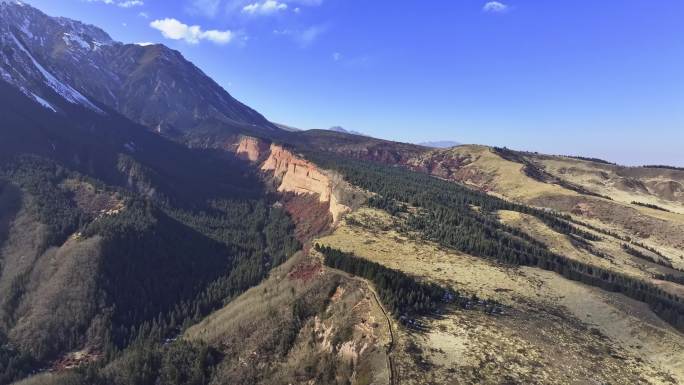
{"x":393,"y":378}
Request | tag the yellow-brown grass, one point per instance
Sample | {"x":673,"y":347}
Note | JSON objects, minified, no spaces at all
{"x":554,"y":330}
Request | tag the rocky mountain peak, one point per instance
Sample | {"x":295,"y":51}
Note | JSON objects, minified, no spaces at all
{"x":80,"y":63}
{"x":34,"y":25}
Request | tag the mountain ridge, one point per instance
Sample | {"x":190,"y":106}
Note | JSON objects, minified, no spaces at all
{"x":152,"y":85}
{"x":142,"y":246}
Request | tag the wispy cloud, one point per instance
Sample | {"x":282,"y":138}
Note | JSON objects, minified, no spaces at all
{"x":495,"y":7}
{"x":359,"y":61}
{"x":261,"y":7}
{"x":120,"y":3}
{"x":308,"y":3}
{"x":193,"y":34}
{"x":144,"y":15}
{"x":309,"y":35}
{"x":304,"y":37}
{"x":266,"y":8}
{"x":130,"y":3}
{"x":204,"y":7}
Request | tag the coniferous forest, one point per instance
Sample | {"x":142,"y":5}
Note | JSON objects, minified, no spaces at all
{"x":400,"y":293}
{"x":447,"y":216}
{"x":163,"y":264}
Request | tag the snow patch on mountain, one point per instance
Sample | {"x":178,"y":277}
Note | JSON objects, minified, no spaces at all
{"x":12,"y":2}
{"x":130,"y":146}
{"x":43,"y":102}
{"x":66,"y":91}
{"x":24,"y":27}
{"x":71,"y":39}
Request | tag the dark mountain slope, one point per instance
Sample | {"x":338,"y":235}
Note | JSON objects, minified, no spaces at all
{"x":142,"y":227}
{"x":161,"y":89}
{"x":117,"y":151}
{"x":152,"y":85}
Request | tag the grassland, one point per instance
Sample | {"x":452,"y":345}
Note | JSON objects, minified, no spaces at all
{"x":553,"y":330}
{"x":614,"y":188}
{"x":661,"y":187}
{"x":484,"y":169}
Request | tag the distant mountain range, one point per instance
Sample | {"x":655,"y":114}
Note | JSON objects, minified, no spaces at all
{"x":440,"y":144}
{"x":345,"y":131}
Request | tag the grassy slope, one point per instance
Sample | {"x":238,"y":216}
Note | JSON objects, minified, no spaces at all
{"x":340,"y":334}
{"x":546,"y":312}
{"x":482,"y":168}
{"x":608,"y":251}
{"x":662,"y":187}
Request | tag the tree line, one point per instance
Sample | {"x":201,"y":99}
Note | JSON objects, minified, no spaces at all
{"x":399,"y":292}
{"x":445,"y":215}
{"x":163,"y":265}
{"x":650,"y":206}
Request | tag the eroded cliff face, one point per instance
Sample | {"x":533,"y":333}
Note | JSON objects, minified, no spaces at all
{"x":251,"y":148}
{"x":300,"y":176}
{"x":294,"y":174}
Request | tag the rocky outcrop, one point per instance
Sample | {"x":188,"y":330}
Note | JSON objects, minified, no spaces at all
{"x":299,"y":176}
{"x":251,"y":148}
{"x":296,"y":175}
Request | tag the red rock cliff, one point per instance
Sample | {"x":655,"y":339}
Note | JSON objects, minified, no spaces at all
{"x":297,"y":175}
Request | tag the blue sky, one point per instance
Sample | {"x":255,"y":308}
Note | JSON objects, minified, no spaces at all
{"x":600,"y":78}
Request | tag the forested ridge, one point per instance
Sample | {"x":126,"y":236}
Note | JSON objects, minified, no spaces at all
{"x":163,"y":264}
{"x":400,"y":293}
{"x":447,"y":216}
{"x":405,"y":296}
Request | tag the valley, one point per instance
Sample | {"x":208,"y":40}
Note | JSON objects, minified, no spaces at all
{"x":156,"y":230}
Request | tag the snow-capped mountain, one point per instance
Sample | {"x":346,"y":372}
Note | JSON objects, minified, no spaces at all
{"x":24,"y":30}
{"x":52,"y":57}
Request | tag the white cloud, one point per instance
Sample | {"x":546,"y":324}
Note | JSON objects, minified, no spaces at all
{"x":193,"y":34}
{"x":336,"y":56}
{"x":265,"y":8}
{"x":495,"y":7}
{"x":130,"y":3}
{"x":145,"y":43}
{"x":219,"y":37}
{"x":144,"y":15}
{"x":121,"y":3}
